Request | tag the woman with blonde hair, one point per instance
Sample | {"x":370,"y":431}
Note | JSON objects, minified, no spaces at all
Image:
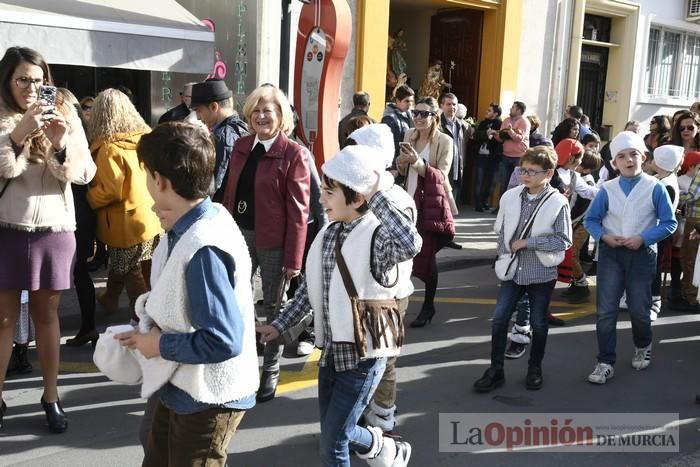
{"x":425,"y":147}
{"x":42,"y":151}
{"x":268,"y":195}
{"x":126,"y":222}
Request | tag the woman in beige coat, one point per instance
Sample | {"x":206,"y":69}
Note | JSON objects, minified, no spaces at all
{"x":426,"y":144}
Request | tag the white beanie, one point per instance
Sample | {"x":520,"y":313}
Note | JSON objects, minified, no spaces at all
{"x":356,"y":167}
{"x":627,"y":140}
{"x":377,"y":136}
{"x":668,"y":157}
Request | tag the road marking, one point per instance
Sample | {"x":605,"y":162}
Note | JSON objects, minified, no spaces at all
{"x":291,"y":381}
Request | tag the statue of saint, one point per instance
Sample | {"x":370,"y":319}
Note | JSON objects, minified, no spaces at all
{"x":397,"y":45}
{"x":433,"y":82}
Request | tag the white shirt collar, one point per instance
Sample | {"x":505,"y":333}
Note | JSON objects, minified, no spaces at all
{"x":267,"y":144}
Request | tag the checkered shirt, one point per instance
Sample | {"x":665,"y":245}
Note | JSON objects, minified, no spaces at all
{"x":396,"y":240}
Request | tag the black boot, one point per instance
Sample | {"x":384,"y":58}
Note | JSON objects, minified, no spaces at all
{"x":55,"y":416}
{"x":424,"y":317}
{"x":19,"y":364}
{"x":268,"y":385}
{"x":492,"y":379}
{"x":533,"y":380}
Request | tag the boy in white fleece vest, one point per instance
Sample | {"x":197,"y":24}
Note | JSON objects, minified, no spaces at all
{"x":201,"y":306}
{"x":534,"y":231}
{"x":628,"y":217}
{"x":373,"y":237}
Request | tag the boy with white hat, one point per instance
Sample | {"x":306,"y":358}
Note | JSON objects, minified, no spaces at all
{"x":666,"y":161}
{"x":628,"y":217}
{"x":373,"y":237}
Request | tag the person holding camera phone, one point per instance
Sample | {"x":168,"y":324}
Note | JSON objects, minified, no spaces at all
{"x":43,"y":150}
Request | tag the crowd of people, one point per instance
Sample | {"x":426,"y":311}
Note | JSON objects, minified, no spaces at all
{"x":192,"y":210}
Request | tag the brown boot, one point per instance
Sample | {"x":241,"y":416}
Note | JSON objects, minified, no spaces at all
{"x":135,"y":286}
{"x":109,"y":299}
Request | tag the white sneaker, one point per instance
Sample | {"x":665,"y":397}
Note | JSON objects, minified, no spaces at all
{"x":601,"y":373}
{"x":623,"y":301}
{"x":642,"y":357}
{"x":304,"y":348}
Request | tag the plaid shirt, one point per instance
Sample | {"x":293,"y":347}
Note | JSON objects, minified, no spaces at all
{"x":692,"y":198}
{"x":530,"y":268}
{"x":396,"y":240}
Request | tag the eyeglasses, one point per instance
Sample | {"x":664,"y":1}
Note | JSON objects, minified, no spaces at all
{"x":23,"y":82}
{"x":530,"y":172}
{"x":422,"y":113}
{"x":688,"y":128}
{"x":87,"y":107}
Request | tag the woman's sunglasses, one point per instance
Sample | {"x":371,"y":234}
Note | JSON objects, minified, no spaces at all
{"x":422,"y":113}
{"x":684,"y":128}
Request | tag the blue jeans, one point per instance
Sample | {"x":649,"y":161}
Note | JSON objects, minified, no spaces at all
{"x":508,"y":296}
{"x":508,"y":164}
{"x":342,"y":397}
{"x":486,"y":170}
{"x":621,"y":269}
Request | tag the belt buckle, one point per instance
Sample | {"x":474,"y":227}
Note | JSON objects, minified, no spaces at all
{"x":242,"y":207}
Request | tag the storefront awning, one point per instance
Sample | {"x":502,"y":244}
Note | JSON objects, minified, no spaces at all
{"x":157,"y":35}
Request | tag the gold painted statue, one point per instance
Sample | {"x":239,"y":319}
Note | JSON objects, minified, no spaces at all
{"x":433,"y":81}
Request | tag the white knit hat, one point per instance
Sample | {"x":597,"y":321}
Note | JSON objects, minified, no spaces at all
{"x":668,"y":157}
{"x":377,"y":136}
{"x":627,"y":140}
{"x":356,"y":167}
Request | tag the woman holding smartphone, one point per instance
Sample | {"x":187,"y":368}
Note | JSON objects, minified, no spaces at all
{"x":425,"y":145}
{"x":42,"y":151}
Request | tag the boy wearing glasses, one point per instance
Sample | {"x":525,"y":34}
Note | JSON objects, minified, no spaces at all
{"x":539,"y":247}
{"x":628,"y":217}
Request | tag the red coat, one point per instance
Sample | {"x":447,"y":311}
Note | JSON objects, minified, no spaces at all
{"x":435,"y":222}
{"x":281,"y":195}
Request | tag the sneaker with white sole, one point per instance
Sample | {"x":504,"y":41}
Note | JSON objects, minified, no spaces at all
{"x":642,"y":357}
{"x":305,"y":348}
{"x":601,"y":373}
{"x":515,"y":350}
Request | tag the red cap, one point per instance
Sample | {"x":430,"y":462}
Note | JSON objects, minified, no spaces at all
{"x":690,"y":159}
{"x":566,"y":149}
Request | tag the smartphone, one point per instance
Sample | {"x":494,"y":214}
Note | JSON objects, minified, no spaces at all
{"x":404,"y":145}
{"x":48,"y":94}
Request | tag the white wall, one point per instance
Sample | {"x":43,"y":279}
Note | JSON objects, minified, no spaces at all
{"x":543,"y":61}
{"x":670,"y":13}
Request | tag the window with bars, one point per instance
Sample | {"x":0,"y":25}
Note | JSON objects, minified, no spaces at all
{"x":673,"y":64}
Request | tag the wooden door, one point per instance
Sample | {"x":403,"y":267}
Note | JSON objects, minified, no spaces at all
{"x":455,"y":36}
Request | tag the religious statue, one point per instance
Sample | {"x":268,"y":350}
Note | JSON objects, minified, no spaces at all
{"x":397,"y":46}
{"x":433,"y":82}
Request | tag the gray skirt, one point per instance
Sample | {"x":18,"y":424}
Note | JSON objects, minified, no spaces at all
{"x":36,"y":260}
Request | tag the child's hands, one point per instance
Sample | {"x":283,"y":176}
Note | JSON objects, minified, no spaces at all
{"x":147,"y":344}
{"x":267,"y":333}
{"x":613,"y":241}
{"x":518,"y":245}
{"x":633,"y":243}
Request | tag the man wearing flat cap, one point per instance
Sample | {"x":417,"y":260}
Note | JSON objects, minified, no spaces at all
{"x":213,"y":102}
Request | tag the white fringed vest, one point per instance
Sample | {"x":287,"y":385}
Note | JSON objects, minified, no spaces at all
{"x":509,"y":216}
{"x":167,"y":305}
{"x":356,"y":250}
{"x":630,"y":215}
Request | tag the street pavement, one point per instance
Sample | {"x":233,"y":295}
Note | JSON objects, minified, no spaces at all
{"x":436,"y":370}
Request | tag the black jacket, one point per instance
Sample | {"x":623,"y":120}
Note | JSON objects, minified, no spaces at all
{"x":495,"y":148}
{"x":175,"y":114}
{"x":225,"y":135}
{"x":343,"y":124}
{"x":399,"y":123}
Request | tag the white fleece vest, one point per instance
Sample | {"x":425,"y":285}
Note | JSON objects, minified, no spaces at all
{"x":405,"y":204}
{"x":672,"y":181}
{"x":167,"y":305}
{"x":632,"y":214}
{"x":356,"y":250}
{"x":509,"y":216}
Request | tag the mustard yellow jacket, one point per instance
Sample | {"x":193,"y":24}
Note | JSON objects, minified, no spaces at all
{"x":119,"y":195}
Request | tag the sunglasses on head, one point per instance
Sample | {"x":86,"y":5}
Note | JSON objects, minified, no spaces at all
{"x":422,"y":113}
{"x":689,"y":128}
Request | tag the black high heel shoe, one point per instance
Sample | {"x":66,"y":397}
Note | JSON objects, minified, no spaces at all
{"x":83,"y":338}
{"x":55,"y":416}
{"x":3,"y":409}
{"x":424,"y":317}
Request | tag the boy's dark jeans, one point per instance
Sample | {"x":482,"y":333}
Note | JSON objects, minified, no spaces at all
{"x":621,"y":269}
{"x":190,"y":440}
{"x":508,"y":296}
